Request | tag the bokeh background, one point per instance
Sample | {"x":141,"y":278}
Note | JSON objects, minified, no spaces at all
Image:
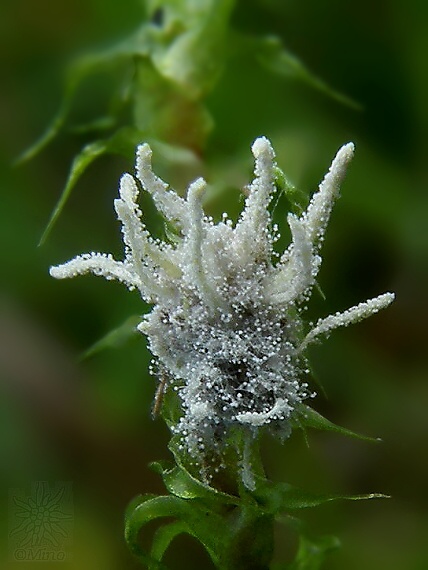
{"x":63,"y":418}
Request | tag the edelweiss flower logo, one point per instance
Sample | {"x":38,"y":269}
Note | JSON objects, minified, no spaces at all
{"x":226,"y":328}
{"x":42,"y":519}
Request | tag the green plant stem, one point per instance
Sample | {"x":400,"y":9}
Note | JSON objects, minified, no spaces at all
{"x":252,"y":542}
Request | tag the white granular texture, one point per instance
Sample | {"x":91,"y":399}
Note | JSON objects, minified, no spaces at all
{"x":225,"y":328}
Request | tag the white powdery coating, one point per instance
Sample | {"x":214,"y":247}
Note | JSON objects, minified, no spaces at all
{"x":348,"y":317}
{"x":225,"y":328}
{"x":98,"y":264}
{"x":318,"y":213}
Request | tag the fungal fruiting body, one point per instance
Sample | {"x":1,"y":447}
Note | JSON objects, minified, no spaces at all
{"x":225,"y":327}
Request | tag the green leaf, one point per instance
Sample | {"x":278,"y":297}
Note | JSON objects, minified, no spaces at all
{"x":296,"y":199}
{"x":84,"y":66}
{"x":171,"y":412}
{"x":174,"y":154}
{"x":116,"y":337}
{"x":167,"y":112}
{"x":100,"y":124}
{"x":312,"y":552}
{"x":80,"y":163}
{"x":164,"y":536}
{"x":320,"y":291}
{"x":50,"y":133}
{"x":194,"y":58}
{"x":181,"y":483}
{"x":195,"y":518}
{"x":308,"y":417}
{"x":123,"y":142}
{"x":281,"y":497}
{"x":282,"y":183}
{"x":271,"y":53}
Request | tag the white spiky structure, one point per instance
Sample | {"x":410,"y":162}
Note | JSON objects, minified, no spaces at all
{"x":225,"y":327}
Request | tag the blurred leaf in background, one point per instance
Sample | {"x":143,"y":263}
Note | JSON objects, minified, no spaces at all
{"x":89,"y":422}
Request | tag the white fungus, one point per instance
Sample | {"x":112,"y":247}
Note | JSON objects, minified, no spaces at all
{"x":225,"y":327}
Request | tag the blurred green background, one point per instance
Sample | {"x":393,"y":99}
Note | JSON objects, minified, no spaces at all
{"x":88,"y":421}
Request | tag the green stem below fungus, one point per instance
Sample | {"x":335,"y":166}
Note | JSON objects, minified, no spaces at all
{"x":252,"y":541}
